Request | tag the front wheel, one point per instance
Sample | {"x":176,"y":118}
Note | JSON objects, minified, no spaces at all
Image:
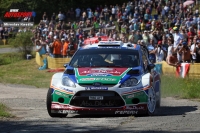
{"x":48,"y":104}
{"x":151,"y":103}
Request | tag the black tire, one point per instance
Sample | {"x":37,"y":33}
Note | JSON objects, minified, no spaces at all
{"x":151,"y":103}
{"x":48,"y":104}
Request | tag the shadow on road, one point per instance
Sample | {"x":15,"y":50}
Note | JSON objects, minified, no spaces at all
{"x":177,"y":110}
{"x":53,"y":126}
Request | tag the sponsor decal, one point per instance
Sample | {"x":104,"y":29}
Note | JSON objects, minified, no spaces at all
{"x":98,"y":79}
{"x":101,"y":71}
{"x":99,"y":74}
{"x":130,"y":96}
{"x":126,"y":112}
{"x":68,"y":90}
{"x":96,"y":88}
{"x":98,"y":104}
{"x":61,"y":94}
{"x":87,"y":79}
{"x":67,"y":111}
{"x":97,"y":84}
{"x":135,"y":107}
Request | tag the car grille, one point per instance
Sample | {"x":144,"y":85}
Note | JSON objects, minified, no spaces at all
{"x":110,"y":99}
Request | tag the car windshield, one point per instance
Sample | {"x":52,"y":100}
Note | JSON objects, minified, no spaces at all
{"x":105,"y":58}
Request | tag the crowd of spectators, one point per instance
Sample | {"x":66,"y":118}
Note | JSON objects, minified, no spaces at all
{"x":169,"y":29}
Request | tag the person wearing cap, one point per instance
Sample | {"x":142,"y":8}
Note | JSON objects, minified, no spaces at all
{"x":145,"y":37}
{"x":185,"y":52}
{"x":159,"y":51}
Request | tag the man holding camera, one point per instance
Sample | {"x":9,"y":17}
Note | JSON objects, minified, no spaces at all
{"x":159,"y":51}
{"x":184,"y":51}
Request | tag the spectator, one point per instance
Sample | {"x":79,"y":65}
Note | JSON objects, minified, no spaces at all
{"x":159,"y":51}
{"x":57,"y":47}
{"x":185,"y":52}
{"x":40,"y":48}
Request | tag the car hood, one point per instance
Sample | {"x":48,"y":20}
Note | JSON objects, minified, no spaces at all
{"x":102,"y":75}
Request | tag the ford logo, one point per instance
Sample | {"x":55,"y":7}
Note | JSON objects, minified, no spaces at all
{"x":97,"y":84}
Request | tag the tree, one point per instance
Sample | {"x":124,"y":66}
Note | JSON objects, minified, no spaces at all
{"x":22,"y":42}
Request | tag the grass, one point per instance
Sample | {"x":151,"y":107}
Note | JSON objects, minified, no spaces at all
{"x":25,"y":72}
{"x":180,"y":87}
{"x":5,"y":46}
{"x":4,"y":111}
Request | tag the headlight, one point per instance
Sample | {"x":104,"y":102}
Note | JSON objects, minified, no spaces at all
{"x":67,"y":82}
{"x":130,"y":82}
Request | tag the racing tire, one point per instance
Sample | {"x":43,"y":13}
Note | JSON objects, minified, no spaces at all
{"x":48,"y":104}
{"x":151,"y":102}
{"x":159,"y":99}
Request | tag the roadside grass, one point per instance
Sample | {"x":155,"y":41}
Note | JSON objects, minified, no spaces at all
{"x":188,"y":87}
{"x":4,"y":111}
{"x":25,"y":72}
{"x":5,"y":46}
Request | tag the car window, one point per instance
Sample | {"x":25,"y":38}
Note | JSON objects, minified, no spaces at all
{"x":105,"y":58}
{"x":145,"y":61}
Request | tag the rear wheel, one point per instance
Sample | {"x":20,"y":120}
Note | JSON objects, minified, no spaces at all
{"x":151,"y":103}
{"x":48,"y":104}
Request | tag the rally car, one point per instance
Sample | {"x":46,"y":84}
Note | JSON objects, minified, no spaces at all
{"x":109,"y":77}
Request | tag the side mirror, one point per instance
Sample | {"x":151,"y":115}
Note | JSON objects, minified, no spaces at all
{"x":150,"y":66}
{"x":65,"y":65}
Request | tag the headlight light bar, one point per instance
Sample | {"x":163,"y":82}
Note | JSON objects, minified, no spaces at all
{"x":66,"y":81}
{"x":130,"y":82}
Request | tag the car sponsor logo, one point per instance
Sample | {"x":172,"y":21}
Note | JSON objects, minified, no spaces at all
{"x":61,"y":94}
{"x":96,"y":88}
{"x":126,"y":112}
{"x":98,"y":103}
{"x":97,"y":84}
{"x":101,"y":71}
{"x":99,"y":74}
{"x":98,"y":79}
{"x":68,"y":90}
{"x":87,"y":79}
{"x":67,"y":111}
{"x":135,"y":107}
{"x":130,"y":96}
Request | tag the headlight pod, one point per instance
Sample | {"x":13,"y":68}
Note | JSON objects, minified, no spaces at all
{"x":66,"y":81}
{"x":130,"y":82}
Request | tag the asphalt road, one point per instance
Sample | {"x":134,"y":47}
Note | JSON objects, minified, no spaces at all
{"x":28,"y":104}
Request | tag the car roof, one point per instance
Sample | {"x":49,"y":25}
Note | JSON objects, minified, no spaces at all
{"x":111,"y":44}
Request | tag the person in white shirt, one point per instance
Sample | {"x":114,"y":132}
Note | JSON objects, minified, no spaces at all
{"x":113,"y":11}
{"x":178,"y":38}
{"x":159,"y":51}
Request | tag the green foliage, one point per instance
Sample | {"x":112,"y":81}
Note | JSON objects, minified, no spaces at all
{"x":9,"y":58}
{"x":23,"y":43}
{"x":180,"y":87}
{"x":4,"y":111}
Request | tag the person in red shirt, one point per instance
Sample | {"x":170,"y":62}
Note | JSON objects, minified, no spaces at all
{"x":57,"y":47}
